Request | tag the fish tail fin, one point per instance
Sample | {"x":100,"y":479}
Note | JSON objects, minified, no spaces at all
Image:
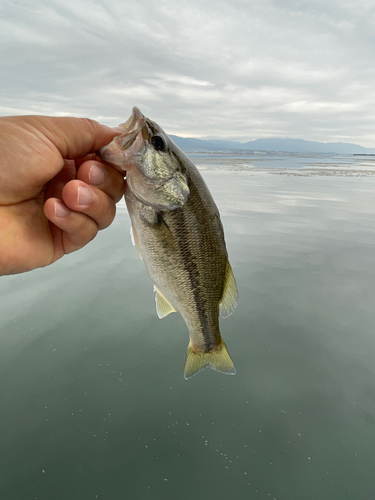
{"x":218,"y":359}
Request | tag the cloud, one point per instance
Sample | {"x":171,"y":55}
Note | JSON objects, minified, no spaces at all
{"x":239,"y":69}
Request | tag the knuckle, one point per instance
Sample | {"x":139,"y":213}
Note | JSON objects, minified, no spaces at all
{"x":90,"y":124}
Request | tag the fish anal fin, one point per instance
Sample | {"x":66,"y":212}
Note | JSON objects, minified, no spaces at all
{"x":163,"y":307}
{"x":218,"y":359}
{"x":229,"y":299}
{"x":133,"y":236}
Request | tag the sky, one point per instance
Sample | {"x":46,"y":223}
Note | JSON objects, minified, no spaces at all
{"x":234,"y":69}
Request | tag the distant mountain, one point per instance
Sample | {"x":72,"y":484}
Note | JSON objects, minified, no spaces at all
{"x":188,"y":143}
{"x":301,"y":146}
{"x":282,"y":145}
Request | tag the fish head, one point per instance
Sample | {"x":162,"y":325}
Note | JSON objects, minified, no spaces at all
{"x":148,"y":157}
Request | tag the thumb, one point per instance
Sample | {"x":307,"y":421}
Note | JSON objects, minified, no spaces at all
{"x":73,"y":137}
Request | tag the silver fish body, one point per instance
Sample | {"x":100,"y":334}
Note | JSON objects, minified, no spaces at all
{"x":178,"y":233}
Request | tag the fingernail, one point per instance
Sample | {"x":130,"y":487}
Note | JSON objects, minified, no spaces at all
{"x":120,"y":130}
{"x":60,"y":209}
{"x":84,"y":196}
{"x":96,"y":175}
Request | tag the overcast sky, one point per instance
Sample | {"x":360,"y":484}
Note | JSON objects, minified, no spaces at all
{"x":236,"y":69}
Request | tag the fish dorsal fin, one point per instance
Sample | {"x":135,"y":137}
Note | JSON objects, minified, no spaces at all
{"x":163,"y":307}
{"x":229,"y":299}
{"x":133,"y":236}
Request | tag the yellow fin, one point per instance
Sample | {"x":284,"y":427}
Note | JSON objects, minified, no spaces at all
{"x":163,"y":307}
{"x":229,"y":299}
{"x":133,"y":236}
{"x":217,"y":359}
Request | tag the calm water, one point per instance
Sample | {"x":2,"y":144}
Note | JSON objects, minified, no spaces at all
{"x":93,"y":403}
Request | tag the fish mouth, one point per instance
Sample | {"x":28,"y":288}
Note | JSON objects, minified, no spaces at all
{"x":121,"y":150}
{"x":134,"y":122}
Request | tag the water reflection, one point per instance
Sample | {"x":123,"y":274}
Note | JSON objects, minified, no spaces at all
{"x":93,"y":401}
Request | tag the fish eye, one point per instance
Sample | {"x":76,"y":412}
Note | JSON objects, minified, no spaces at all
{"x":158,"y":142}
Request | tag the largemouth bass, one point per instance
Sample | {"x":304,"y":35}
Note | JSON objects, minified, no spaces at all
{"x":177,"y":230}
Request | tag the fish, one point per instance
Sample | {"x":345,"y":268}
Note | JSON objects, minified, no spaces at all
{"x":178,"y":233}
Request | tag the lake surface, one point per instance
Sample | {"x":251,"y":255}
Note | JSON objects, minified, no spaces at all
{"x":93,"y":403}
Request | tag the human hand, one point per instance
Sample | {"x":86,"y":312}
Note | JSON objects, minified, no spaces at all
{"x":55,"y":194}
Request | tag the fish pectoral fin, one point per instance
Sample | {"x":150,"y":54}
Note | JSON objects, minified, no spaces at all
{"x":133,"y":236}
{"x":163,"y":307}
{"x":229,"y":299}
{"x":217,"y":359}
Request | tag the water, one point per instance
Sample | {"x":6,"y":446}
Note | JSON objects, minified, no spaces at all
{"x":93,"y":403}
{"x":256,"y":160}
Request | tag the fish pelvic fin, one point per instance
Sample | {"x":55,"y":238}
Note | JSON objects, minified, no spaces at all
{"x":229,"y":299}
{"x":218,"y":359}
{"x":163,"y":306}
{"x":135,"y":242}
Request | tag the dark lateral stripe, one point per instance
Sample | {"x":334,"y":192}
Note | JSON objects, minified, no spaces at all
{"x":190,"y":265}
